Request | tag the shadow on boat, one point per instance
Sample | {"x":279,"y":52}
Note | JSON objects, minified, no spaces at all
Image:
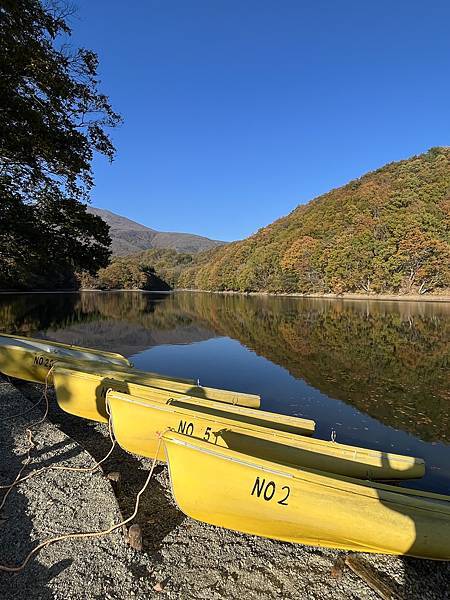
{"x":424,"y":578}
{"x":158,"y":516}
{"x":293,"y":456}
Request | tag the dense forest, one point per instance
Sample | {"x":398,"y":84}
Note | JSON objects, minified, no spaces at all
{"x":154,"y":269}
{"x":387,"y":232}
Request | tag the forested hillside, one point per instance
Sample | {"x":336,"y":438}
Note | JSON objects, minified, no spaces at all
{"x":385,"y":232}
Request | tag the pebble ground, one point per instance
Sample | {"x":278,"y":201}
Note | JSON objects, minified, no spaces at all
{"x":181,"y":559}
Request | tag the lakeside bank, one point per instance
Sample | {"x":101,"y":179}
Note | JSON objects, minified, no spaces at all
{"x":346,"y":296}
{"x":182,"y":558}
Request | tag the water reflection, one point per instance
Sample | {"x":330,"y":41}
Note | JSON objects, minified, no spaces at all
{"x":390,"y":360}
{"x":326,"y":358}
{"x":128,"y":322}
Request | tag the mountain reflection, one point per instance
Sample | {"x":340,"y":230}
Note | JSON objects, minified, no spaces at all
{"x":388,"y":359}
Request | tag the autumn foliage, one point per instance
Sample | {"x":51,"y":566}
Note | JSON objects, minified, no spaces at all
{"x":387,"y":232}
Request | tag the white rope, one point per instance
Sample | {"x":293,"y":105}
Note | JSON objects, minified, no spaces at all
{"x":74,"y":535}
{"x":87,"y":534}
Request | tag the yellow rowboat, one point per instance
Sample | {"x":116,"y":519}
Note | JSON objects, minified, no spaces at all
{"x":139,"y":401}
{"x":82,"y":391}
{"x":84,"y":395}
{"x":31,"y":359}
{"x":237,"y":491}
{"x":137,"y":423}
{"x":182,"y":386}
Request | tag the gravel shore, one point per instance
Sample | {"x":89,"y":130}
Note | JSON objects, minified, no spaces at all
{"x":181,"y":559}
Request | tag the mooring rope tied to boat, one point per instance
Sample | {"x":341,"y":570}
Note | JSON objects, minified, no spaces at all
{"x":76,"y":535}
{"x":31,"y":445}
{"x":18,"y":479}
{"x":88,"y":534}
{"x":57,"y":467}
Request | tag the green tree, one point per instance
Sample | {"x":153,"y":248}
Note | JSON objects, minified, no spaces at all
{"x":356,"y":238}
{"x":128,"y":273}
{"x":52,"y":120}
{"x":350,"y":264}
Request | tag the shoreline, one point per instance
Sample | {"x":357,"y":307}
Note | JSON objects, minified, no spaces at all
{"x":342,"y":297}
{"x":173,"y":560}
{"x":345,"y":296}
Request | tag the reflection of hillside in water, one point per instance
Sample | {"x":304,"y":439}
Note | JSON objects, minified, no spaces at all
{"x":124,"y":322}
{"x":390,"y":360}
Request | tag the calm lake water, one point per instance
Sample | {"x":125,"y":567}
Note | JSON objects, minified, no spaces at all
{"x":376,"y":373}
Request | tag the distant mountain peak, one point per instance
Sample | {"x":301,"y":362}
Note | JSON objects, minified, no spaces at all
{"x":129,"y":237}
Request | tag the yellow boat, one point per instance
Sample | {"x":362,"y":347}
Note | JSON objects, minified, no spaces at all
{"x":237,"y":491}
{"x":31,"y":359}
{"x":84,"y":395}
{"x":137,"y":423}
{"x":82,"y":391}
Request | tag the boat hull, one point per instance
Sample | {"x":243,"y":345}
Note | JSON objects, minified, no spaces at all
{"x":31,"y":359}
{"x":82,"y":392}
{"x":233,"y":490}
{"x":138,"y":422}
{"x":84,"y":395}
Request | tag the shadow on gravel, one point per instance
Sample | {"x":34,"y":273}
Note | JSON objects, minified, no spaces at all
{"x":426,"y":579}
{"x":15,"y":525}
{"x":52,"y":449}
{"x":157,"y":516}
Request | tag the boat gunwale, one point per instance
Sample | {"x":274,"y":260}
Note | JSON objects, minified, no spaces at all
{"x":238,"y":395}
{"x":269,"y":436}
{"x":414,"y":498}
{"x":91,"y":372}
{"x":96,"y":371}
{"x":167,"y":406}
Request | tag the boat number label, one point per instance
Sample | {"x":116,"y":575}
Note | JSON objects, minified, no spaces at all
{"x":188,"y":429}
{"x":268,"y":490}
{"x":43,"y":361}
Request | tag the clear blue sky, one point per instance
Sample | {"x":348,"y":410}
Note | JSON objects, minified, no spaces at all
{"x":236,"y":111}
